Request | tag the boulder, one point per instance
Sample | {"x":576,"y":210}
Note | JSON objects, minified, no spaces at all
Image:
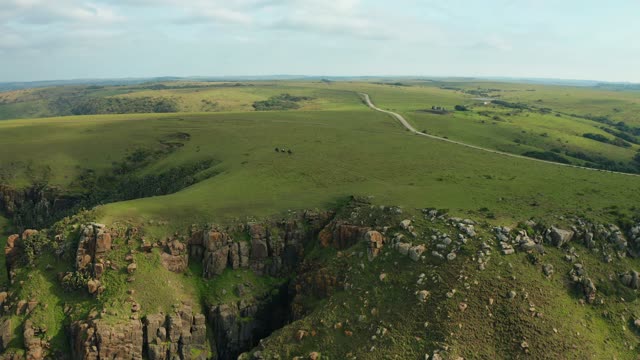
{"x":12,"y":251}
{"x":92,"y":286}
{"x":467,"y":229}
{"x":259,"y":250}
{"x":213,"y":239}
{"x":559,"y":237}
{"x":375,"y":243}
{"x":403,"y":248}
{"x":96,"y":339}
{"x":326,"y":237}
{"x":416,"y":251}
{"x":103,"y":242}
{"x":131,"y":268}
{"x":346,"y":235}
{"x":216,"y":261}
{"x":423,"y":295}
{"x":406,"y":224}
{"x":547,"y":269}
{"x":631,"y":279}
{"x":33,"y":343}
{"x":589,"y":290}
{"x":618,"y":240}
{"x":98,"y":270}
{"x":234,"y":255}
{"x":175,"y":263}
{"x":588,"y":240}
{"x":153,"y":323}
{"x":243,"y":253}
{"x":5,"y":334}
{"x":374,"y":239}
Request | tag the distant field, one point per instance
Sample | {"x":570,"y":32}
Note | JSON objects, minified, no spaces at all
{"x":541,"y":127}
{"x":587,"y":126}
{"x":370,"y":155}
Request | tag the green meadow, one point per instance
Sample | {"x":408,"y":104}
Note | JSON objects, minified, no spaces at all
{"x":340,"y":149}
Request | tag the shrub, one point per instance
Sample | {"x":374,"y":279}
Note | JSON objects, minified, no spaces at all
{"x":547,"y":155}
{"x":280,"y":102}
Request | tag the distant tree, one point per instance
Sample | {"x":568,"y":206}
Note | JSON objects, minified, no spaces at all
{"x":461,"y":108}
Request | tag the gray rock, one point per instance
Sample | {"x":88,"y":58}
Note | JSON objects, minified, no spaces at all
{"x":240,"y":290}
{"x":403,"y":248}
{"x":559,"y":237}
{"x":416,"y":251}
{"x":423,"y":295}
{"x":547,"y":269}
{"x":631,"y":279}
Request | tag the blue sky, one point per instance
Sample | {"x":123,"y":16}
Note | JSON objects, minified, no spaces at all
{"x":68,"y":39}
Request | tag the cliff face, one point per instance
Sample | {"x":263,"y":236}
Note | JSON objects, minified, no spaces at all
{"x":180,"y":335}
{"x":34,"y":207}
{"x":239,"y":326}
{"x":225,"y":329}
{"x":274,"y":248}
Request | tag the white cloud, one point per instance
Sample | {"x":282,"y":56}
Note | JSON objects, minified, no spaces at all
{"x":28,"y":25}
{"x":59,"y":11}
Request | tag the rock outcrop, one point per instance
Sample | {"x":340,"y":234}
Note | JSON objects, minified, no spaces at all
{"x":341,"y":235}
{"x":218,"y":251}
{"x":13,"y":249}
{"x":34,"y":343}
{"x":274,"y":248}
{"x":97,"y":339}
{"x":585,"y":284}
{"x":375,"y":242}
{"x":5,"y":334}
{"x":631,"y":279}
{"x":239,"y":326}
{"x":175,"y":258}
{"x":634,"y":240}
{"x":95,"y":242}
{"x":558,"y":237}
{"x":181,"y":335}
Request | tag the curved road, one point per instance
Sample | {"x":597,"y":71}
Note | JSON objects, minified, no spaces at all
{"x":408,"y":126}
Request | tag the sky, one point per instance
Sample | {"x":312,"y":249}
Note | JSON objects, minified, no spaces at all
{"x":74,"y":39}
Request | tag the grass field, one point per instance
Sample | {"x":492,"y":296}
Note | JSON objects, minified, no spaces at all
{"x":555,"y":120}
{"x":371,"y":155}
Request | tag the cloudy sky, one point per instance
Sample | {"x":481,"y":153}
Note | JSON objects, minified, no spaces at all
{"x":570,"y":39}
